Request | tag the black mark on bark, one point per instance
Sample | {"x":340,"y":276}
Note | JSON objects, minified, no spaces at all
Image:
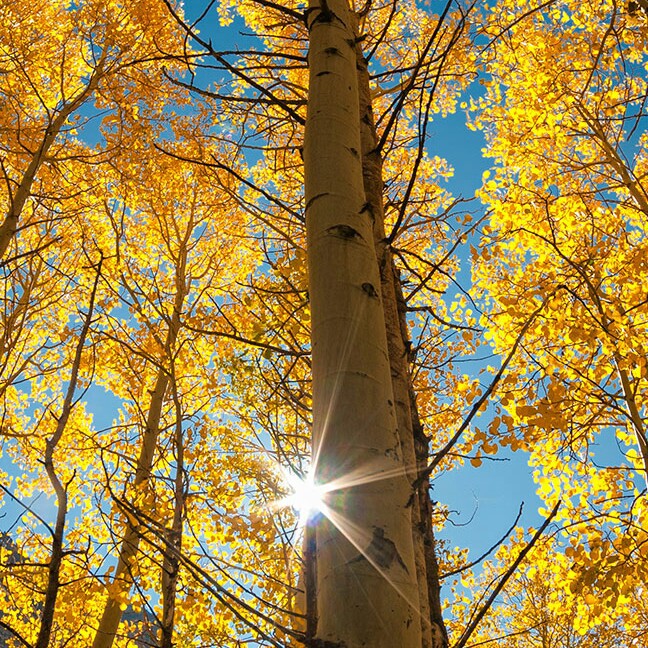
{"x":367,"y":207}
{"x":314,"y":198}
{"x":344,"y":231}
{"x":381,"y":552}
{"x":369,"y":289}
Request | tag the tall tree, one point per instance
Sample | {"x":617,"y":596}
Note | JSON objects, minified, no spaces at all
{"x":366,"y":588}
{"x":170,"y":522}
{"x":99,"y":53}
{"x":565,"y":247}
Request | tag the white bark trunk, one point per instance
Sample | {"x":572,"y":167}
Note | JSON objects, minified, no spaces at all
{"x":414,"y":445}
{"x":366,"y":587}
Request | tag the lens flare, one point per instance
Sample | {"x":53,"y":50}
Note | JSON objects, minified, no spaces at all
{"x":306,"y":497}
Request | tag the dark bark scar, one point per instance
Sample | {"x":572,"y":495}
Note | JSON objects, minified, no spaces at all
{"x":369,"y":289}
{"x":344,"y":231}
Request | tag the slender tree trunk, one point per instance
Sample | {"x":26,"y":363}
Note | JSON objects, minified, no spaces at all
{"x":112,"y":613}
{"x":629,"y":396}
{"x":60,"y":489}
{"x":17,"y":201}
{"x":634,"y":413}
{"x":414,"y":443}
{"x":173,"y":534}
{"x":366,"y":581}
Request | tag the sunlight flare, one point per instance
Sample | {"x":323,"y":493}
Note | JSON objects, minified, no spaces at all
{"x":306,"y":497}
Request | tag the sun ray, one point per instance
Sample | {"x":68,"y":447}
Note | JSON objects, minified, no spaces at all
{"x":361,"y":540}
{"x":365,"y":475}
{"x":347,"y":346}
{"x":308,"y":499}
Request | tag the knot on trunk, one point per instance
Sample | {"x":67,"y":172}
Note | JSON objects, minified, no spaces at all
{"x":344,"y":232}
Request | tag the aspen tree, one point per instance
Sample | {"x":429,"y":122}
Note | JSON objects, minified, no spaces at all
{"x":366,"y":590}
{"x":205,"y":553}
{"x":129,"y":546}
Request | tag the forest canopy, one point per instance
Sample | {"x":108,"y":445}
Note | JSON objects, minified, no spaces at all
{"x":250,"y":316}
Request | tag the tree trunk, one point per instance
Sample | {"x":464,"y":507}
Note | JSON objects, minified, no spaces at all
{"x":112,"y":613}
{"x":60,"y":489}
{"x":18,"y":199}
{"x":366,"y":585}
{"x":414,"y":444}
{"x":173,"y":534}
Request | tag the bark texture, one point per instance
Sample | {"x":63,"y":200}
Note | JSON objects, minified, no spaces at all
{"x":366,"y":581}
{"x":414,"y":443}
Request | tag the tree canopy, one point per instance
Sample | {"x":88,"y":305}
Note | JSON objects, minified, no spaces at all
{"x":173,"y":252}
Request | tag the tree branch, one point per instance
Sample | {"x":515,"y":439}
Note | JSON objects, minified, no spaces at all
{"x":507,"y":575}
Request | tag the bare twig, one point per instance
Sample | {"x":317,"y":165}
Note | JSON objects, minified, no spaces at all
{"x":504,"y":579}
{"x":438,"y":456}
{"x":487,"y":553}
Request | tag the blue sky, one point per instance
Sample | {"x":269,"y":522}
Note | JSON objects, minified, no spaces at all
{"x":483,"y":502}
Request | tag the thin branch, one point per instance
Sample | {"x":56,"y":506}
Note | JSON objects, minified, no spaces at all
{"x":438,"y":456}
{"x":504,"y":579}
{"x":224,"y":167}
{"x":510,"y":26}
{"x":487,"y":553}
{"x":15,"y":633}
{"x":239,"y":338}
{"x":40,"y":248}
{"x":27,"y":508}
{"x":297,"y":15}
{"x":221,"y":97}
{"x":396,"y":109}
{"x":191,"y":32}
